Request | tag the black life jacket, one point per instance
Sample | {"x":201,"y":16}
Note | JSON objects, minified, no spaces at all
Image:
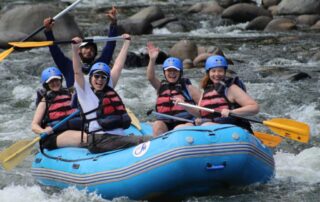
{"x":164,"y":103}
{"x":111,"y":113}
{"x":58,"y":106}
{"x":215,"y":97}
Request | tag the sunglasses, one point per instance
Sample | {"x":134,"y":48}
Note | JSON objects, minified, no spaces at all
{"x":100,"y":76}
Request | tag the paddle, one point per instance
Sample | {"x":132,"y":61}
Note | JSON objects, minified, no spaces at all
{"x":288,"y":128}
{"x":35,"y":44}
{"x":7,"y":52}
{"x":134,"y":120}
{"x":16,"y":153}
{"x":267,"y":139}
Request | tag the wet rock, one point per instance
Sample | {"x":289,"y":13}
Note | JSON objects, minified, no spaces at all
{"x":316,"y":57}
{"x":6,"y":37}
{"x":176,"y":26}
{"x":307,"y":19}
{"x":244,"y":12}
{"x":298,"y":7}
{"x":27,"y":18}
{"x":296,"y":76}
{"x":259,"y":23}
{"x":187,"y":63}
{"x":140,"y":23}
{"x":225,"y":3}
{"x":273,"y":10}
{"x":141,"y":59}
{"x":160,"y":23}
{"x":268,"y":3}
{"x":281,"y":25}
{"x":184,"y":49}
{"x":316,"y":26}
{"x":211,"y":8}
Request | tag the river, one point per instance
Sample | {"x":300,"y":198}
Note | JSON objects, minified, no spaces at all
{"x":297,"y":175}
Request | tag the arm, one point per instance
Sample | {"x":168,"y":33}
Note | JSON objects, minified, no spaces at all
{"x":107,"y":52}
{"x":153,"y":54}
{"x":37,"y":119}
{"x":248,"y":105}
{"x":78,"y":74}
{"x":120,"y":61}
{"x":196,"y":96}
{"x":62,"y":62}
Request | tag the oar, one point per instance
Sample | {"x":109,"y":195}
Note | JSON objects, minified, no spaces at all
{"x":288,"y":128}
{"x":17,"y":152}
{"x":36,"y":44}
{"x":267,"y":139}
{"x":134,"y":120}
{"x":7,"y":52}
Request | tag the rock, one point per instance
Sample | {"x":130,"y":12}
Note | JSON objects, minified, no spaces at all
{"x":27,"y":18}
{"x":184,"y":49}
{"x":175,"y":26}
{"x":187,"y":64}
{"x":268,"y":3}
{"x":297,"y":76}
{"x":160,"y":23}
{"x":212,"y":8}
{"x":298,"y":7}
{"x":316,"y":57}
{"x":259,"y":23}
{"x":280,"y":24}
{"x":140,"y":23}
{"x":10,"y":36}
{"x":316,"y":26}
{"x":307,"y":19}
{"x":244,"y":12}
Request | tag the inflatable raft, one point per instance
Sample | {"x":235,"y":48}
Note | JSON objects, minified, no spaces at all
{"x":190,"y":161}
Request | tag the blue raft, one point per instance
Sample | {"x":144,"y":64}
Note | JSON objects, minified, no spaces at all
{"x":190,"y":161}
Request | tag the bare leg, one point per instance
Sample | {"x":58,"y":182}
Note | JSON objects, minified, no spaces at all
{"x":159,"y":127}
{"x":71,"y":138}
{"x":183,"y":125}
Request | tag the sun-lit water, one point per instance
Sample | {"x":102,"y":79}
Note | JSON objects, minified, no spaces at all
{"x":297,"y":165}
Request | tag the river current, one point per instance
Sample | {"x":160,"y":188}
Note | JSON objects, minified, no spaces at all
{"x":297,"y":176}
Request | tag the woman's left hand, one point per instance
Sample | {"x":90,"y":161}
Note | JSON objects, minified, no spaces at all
{"x":225,"y":112}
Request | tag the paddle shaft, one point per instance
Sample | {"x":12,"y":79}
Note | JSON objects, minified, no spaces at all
{"x":54,"y":18}
{"x":94,"y":39}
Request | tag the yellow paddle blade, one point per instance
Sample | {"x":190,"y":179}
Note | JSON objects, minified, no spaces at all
{"x":134,"y":120}
{"x":16,"y":153}
{"x":31,"y":44}
{"x":5,"y":53}
{"x":292,"y":129}
{"x":267,"y":139}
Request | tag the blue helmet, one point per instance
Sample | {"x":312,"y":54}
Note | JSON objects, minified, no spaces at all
{"x":216,"y":61}
{"x":50,"y":73}
{"x":100,"y":67}
{"x":173,"y":62}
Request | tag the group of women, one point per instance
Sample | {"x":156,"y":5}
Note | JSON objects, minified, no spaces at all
{"x":103,"y":118}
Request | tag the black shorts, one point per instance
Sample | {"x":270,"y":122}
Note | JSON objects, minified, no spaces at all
{"x":49,"y":142}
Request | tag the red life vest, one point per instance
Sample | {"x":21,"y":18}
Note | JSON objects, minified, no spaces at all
{"x":58,"y":106}
{"x":112,"y":113}
{"x":167,"y":91}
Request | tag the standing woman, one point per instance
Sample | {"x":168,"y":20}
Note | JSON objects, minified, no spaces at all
{"x":103,"y":108}
{"x":174,"y":88}
{"x":224,"y":96}
{"x":53,"y":105}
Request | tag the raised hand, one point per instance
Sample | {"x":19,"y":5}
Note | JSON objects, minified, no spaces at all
{"x":152,"y":50}
{"x":48,"y":23}
{"x":112,"y":15}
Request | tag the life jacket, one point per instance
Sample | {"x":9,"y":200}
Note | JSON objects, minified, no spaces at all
{"x":112,"y":113}
{"x":164,"y":103}
{"x":215,"y":97}
{"x":58,"y":106}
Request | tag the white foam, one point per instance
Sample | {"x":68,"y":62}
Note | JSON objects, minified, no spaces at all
{"x":304,"y":167}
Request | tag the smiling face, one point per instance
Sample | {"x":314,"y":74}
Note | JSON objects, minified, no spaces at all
{"x":172,"y":75}
{"x":55,"y":84}
{"x":217,"y":74}
{"x":99,"y":81}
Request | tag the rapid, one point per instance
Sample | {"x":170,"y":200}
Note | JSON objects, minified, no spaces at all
{"x":262,"y":60}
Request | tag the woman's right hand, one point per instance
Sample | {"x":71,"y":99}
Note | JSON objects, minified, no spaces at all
{"x":76,"y":41}
{"x":48,"y":130}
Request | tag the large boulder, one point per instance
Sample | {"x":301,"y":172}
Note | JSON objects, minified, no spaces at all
{"x":212,"y":8}
{"x":268,"y":3}
{"x":27,"y":18}
{"x":259,"y":23}
{"x":6,"y":37}
{"x":307,"y":19}
{"x":281,"y":25}
{"x":299,"y":7}
{"x":140,"y":23}
{"x":184,"y":49}
{"x":244,"y":12}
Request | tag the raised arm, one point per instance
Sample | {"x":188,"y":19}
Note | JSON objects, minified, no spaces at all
{"x":107,"y":52}
{"x":78,"y":74}
{"x":62,"y":62}
{"x":120,"y":61}
{"x":153,"y":54}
